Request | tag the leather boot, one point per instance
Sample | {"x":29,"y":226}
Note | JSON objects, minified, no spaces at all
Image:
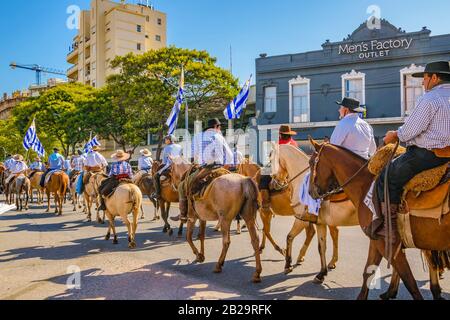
{"x":183,"y":212}
{"x":157,"y":185}
{"x":373,"y":230}
{"x":265,"y":195}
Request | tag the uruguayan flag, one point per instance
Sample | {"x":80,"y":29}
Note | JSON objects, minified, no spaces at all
{"x":235,"y":108}
{"x":173,"y":118}
{"x":31,"y":141}
{"x":90,"y":144}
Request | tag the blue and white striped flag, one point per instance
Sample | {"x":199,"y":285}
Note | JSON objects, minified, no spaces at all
{"x":32,"y":141}
{"x":173,"y":118}
{"x":235,"y":108}
{"x":90,"y":144}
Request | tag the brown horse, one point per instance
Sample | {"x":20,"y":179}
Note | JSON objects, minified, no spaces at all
{"x":241,"y":197}
{"x":334,"y":163}
{"x":279,"y":206}
{"x":91,"y":195}
{"x":147,"y":188}
{"x":169,"y":192}
{"x":35,"y":184}
{"x":58,"y":184}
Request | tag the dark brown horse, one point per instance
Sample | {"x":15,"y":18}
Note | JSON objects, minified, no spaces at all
{"x":147,"y":188}
{"x":333,"y":163}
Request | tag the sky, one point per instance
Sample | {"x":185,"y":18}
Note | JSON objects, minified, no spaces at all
{"x":35,"y":32}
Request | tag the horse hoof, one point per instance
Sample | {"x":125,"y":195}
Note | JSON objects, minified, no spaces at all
{"x":288,"y":270}
{"x":165,"y":229}
{"x":217,"y":270}
{"x":319,"y":279}
{"x":200,"y":258}
{"x":107,"y":237}
{"x":129,"y":239}
{"x":388,"y":296}
{"x":256,"y":279}
{"x":115,"y":241}
{"x":170,"y":232}
{"x":132,"y":245}
{"x":331,"y":266}
{"x":301,"y":260}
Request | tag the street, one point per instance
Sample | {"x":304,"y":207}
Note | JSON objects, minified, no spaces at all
{"x":39,"y":253}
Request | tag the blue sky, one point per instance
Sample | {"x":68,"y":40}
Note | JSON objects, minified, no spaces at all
{"x":35,"y":31}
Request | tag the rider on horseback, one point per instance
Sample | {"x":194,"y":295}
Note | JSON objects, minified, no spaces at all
{"x":16,"y":168}
{"x":36,"y":166}
{"x":77,"y":164}
{"x":426,"y":133}
{"x":209,"y":149}
{"x":352,"y":133}
{"x":171,"y":150}
{"x":56,"y":162}
{"x":94,"y":162}
{"x":120,"y":170}
{"x":145,"y":163}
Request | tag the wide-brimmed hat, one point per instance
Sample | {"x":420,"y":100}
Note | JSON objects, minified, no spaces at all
{"x":286,"y":130}
{"x":37,"y":159}
{"x":438,"y":67}
{"x":56,"y":149}
{"x":120,"y":155}
{"x":95,"y":148}
{"x":352,"y":104}
{"x":146,"y":153}
{"x":213,"y":122}
{"x":18,"y":157}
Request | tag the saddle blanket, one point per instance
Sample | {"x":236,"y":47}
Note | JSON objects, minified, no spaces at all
{"x":49,"y":175}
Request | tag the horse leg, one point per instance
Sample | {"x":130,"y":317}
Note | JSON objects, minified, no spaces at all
{"x":135,"y":223}
{"x":143,"y":214}
{"x":225,"y":228}
{"x":108,"y":234}
{"x":310,"y":233}
{"x":334,"y":232}
{"x":296,"y":229}
{"x":267,"y":222}
{"x":373,"y":260}
{"x":113,"y":227}
{"x":130,"y":230}
{"x":238,"y":226}
{"x":434,"y":276}
{"x":88,"y":204}
{"x":251,"y":226}
{"x":322,"y":238}
{"x":201,"y":236}
{"x":48,"y":201}
{"x":180,"y":230}
{"x":26,"y":200}
{"x":391,"y":293}
{"x":217,"y":227}
{"x":56,"y":196}
{"x":189,"y":233}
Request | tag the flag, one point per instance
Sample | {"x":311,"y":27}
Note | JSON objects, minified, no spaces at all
{"x":235,"y":108}
{"x":173,"y":118}
{"x":31,"y":141}
{"x":90,"y":144}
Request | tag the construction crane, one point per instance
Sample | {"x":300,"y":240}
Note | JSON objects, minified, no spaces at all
{"x":38,"y":69}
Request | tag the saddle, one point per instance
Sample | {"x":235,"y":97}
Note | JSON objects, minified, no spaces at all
{"x":49,"y":176}
{"x":204,"y":178}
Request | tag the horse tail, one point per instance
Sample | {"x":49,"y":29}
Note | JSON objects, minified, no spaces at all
{"x":440,"y":259}
{"x":135,"y":199}
{"x":250,"y":194}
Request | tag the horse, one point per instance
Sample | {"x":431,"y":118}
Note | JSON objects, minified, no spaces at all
{"x":279,"y":206}
{"x":35,"y":184}
{"x":169,"y":191}
{"x":91,"y":194}
{"x":20,"y":186}
{"x":147,"y":188}
{"x":58,"y":184}
{"x":126,"y":199}
{"x":2,"y":177}
{"x":240,"y":198}
{"x":335,"y":163}
{"x":73,"y":190}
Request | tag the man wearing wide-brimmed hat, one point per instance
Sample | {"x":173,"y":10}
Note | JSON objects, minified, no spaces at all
{"x":94,"y":162}
{"x":36,"y":166}
{"x":17,"y":167}
{"x":120,"y":170}
{"x":426,"y":133}
{"x":287,"y":136}
{"x":352,"y":133}
{"x":145,"y":163}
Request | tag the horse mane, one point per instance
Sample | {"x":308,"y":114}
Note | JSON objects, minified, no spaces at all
{"x":295,"y":150}
{"x":349,"y":152}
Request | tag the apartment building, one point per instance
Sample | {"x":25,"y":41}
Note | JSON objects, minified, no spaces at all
{"x":111,"y":29}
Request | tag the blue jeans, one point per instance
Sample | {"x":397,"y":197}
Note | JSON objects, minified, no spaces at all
{"x":404,"y":168}
{"x":80,"y":187}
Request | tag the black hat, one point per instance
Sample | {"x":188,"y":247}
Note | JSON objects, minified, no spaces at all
{"x":56,"y":149}
{"x":213,"y":122}
{"x":352,"y":104}
{"x":438,"y":67}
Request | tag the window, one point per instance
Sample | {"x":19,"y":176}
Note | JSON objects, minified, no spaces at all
{"x":159,"y":21}
{"x":139,"y":28}
{"x":353,"y":86}
{"x":147,"y":18}
{"x":139,"y":47}
{"x":270,"y":99}
{"x":158,"y":38}
{"x":411,"y":88}
{"x":299,"y":104}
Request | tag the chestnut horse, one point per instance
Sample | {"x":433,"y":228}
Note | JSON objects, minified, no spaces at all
{"x":334,"y":163}
{"x":35,"y":183}
{"x":91,"y":195}
{"x":58,"y":184}
{"x":280,"y":206}
{"x":147,"y":188}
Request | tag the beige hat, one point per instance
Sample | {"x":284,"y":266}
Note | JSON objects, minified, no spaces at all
{"x":146,"y":153}
{"x":18,"y":157}
{"x":95,"y":148}
{"x":37,"y":159}
{"x":120,"y":155}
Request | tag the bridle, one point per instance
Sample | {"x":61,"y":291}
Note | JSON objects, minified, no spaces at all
{"x":340,"y":188}
{"x":280,"y":185}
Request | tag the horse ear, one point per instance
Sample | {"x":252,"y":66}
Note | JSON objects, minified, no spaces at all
{"x":316,"y":145}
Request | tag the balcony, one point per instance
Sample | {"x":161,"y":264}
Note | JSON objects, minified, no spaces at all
{"x":72,"y":72}
{"x":72,"y":56}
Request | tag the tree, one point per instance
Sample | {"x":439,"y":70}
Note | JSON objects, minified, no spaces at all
{"x":10,"y":139}
{"x":58,"y":116}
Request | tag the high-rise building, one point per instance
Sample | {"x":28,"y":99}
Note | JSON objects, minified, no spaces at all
{"x":111,"y":29}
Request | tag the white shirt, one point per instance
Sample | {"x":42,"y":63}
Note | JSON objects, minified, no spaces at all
{"x":95,"y":159}
{"x":211,"y":147}
{"x":356,"y":135}
{"x":145,"y":163}
{"x":18,"y":167}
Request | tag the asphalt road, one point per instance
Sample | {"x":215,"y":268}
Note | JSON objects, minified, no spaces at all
{"x":39,"y":253}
